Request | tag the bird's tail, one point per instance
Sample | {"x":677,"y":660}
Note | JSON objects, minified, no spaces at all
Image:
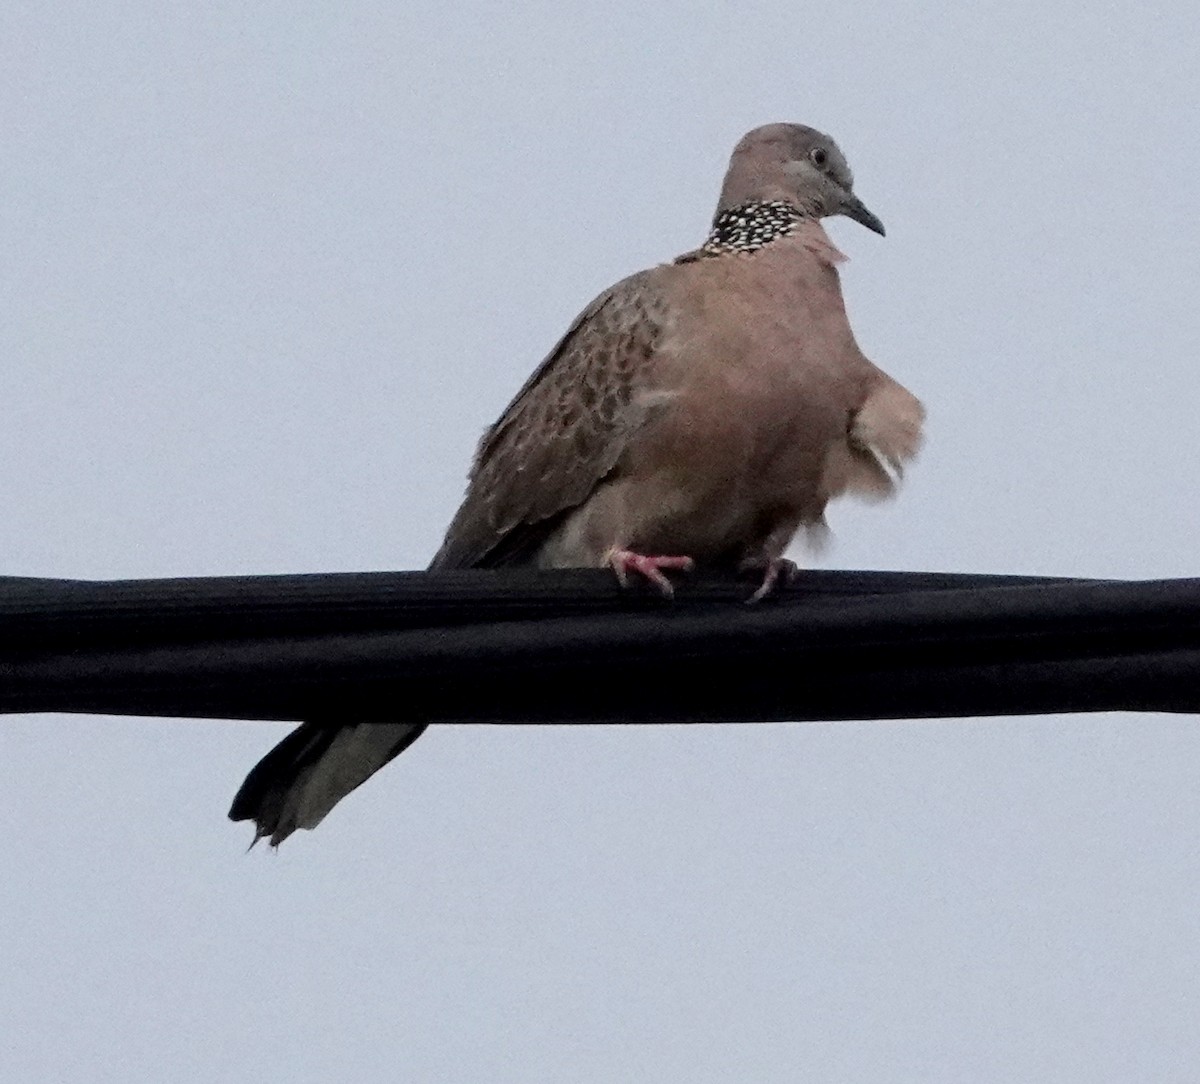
{"x":311,"y":770}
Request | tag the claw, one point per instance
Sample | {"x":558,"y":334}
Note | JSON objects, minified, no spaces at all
{"x":622,"y":562}
{"x":778,"y":573}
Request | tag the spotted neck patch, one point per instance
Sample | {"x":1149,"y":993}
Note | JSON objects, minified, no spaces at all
{"x":751,"y":226}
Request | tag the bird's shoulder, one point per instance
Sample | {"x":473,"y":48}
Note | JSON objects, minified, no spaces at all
{"x":597,"y":356}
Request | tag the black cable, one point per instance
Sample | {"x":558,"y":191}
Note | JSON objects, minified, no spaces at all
{"x":563,"y":647}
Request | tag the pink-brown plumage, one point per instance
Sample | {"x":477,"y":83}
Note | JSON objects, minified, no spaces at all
{"x":709,"y":407}
{"x":703,"y":411}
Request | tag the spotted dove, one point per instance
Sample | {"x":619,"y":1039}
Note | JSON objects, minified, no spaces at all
{"x":701,"y":412}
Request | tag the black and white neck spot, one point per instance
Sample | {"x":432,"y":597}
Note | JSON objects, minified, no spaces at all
{"x":751,"y":226}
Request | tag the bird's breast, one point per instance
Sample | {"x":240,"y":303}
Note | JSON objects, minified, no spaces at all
{"x":754,"y":388}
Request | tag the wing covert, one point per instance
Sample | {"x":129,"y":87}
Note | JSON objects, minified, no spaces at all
{"x":563,"y":432}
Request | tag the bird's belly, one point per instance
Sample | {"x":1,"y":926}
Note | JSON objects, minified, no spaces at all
{"x":730,"y":477}
{"x":711,"y":478}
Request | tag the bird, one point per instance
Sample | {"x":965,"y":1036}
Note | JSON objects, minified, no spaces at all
{"x":698,"y":414}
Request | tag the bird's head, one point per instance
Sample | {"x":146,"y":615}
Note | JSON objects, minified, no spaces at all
{"x":797,"y":164}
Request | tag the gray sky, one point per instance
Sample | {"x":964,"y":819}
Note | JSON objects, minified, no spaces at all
{"x":268,"y":270}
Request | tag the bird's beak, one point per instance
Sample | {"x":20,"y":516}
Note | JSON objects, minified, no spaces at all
{"x":853,"y":207}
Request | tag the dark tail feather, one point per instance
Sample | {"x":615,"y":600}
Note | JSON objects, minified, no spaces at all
{"x":313,"y":769}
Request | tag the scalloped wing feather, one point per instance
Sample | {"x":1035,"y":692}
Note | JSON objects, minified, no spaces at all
{"x":563,"y":433}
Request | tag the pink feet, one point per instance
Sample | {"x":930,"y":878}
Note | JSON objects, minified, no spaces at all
{"x":624,"y":562}
{"x":776,"y":573}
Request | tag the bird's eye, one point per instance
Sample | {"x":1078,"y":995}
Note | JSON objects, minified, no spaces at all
{"x":819,"y":156}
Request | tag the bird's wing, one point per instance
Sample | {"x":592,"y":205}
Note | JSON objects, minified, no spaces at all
{"x":885,"y":433}
{"x":564,"y":431}
{"x":557,"y":440}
